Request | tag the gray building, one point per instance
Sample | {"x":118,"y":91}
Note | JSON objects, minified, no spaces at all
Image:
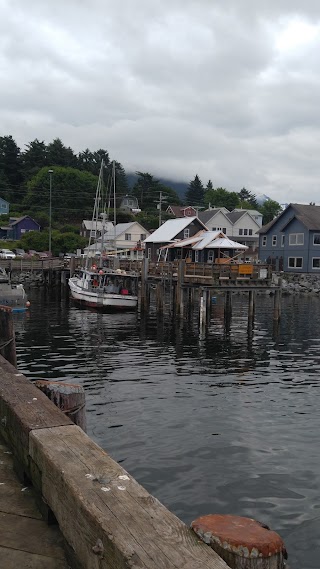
{"x":291,"y":242}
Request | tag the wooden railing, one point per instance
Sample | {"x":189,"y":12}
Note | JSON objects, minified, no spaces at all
{"x":31,"y":264}
{"x":212,"y":273}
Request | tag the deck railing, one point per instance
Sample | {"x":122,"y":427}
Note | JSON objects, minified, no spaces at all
{"x":212,"y":273}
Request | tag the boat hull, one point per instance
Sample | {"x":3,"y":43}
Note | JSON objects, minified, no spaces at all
{"x":102,"y":300}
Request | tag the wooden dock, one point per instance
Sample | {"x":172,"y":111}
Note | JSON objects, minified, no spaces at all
{"x":26,"y":540}
{"x":106,"y":517}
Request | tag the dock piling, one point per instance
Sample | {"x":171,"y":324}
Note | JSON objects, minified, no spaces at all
{"x":243,"y":543}
{"x":7,"y":337}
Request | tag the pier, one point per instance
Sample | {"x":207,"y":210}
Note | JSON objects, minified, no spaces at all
{"x":104,"y":517}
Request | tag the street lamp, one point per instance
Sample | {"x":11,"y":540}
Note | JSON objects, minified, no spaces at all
{"x":50,"y":207}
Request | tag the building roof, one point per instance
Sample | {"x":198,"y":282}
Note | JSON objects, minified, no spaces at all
{"x":309,"y":215}
{"x":178,"y":210}
{"x":19,"y":219}
{"x":90,"y":225}
{"x":234,"y":216}
{"x":207,"y":240}
{"x":168,"y":230}
{"x":249,"y":211}
{"x":208,"y":214}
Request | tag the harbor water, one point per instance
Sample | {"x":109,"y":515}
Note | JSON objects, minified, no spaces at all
{"x":224,"y":423}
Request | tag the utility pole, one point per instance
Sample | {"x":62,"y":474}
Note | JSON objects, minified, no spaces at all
{"x":160,"y":205}
{"x":50,"y":172}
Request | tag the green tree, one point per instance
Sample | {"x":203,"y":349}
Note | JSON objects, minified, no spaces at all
{"x":91,"y":161}
{"x":270,"y":209}
{"x":249,"y":198}
{"x":61,"y":242}
{"x":34,"y":158}
{"x":220,"y":197}
{"x":121,"y":184}
{"x":209,"y":185}
{"x":73,"y":193}
{"x":10,"y":166}
{"x":146,"y":189}
{"x":59,"y":155}
{"x":195,"y":192}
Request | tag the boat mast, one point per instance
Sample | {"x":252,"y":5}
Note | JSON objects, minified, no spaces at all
{"x":95,"y":214}
{"x":114,"y":206}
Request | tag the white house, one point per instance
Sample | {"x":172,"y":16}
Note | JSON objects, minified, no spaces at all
{"x":125,"y":239}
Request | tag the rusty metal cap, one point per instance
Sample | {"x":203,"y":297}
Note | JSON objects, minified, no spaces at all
{"x":243,"y":536}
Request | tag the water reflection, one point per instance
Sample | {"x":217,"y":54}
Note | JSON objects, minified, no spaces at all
{"x":224,"y":423}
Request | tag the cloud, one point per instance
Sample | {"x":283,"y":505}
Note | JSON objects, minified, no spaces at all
{"x":229,"y":91}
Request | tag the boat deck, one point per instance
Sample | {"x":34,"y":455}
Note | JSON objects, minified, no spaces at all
{"x":25,"y":538}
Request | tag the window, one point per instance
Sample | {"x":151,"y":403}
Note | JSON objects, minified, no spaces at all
{"x":316,"y":262}
{"x":142,"y":236}
{"x":282,"y":240}
{"x":224,"y":230}
{"x":245,"y":232}
{"x":210,"y":256}
{"x":186,"y":233}
{"x":179,"y":253}
{"x":316,"y":239}
{"x":23,"y":231}
{"x":149,"y":253}
{"x":3,"y":205}
{"x":240,"y":231}
{"x":295,"y":262}
{"x":127,"y":236}
{"x":214,"y":229}
{"x":264,"y":241}
{"x":296,"y":239}
{"x":274,"y":240}
{"x":250,"y":231}
{"x":196,"y":256}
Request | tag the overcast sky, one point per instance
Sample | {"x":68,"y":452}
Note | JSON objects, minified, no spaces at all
{"x":229,"y":90}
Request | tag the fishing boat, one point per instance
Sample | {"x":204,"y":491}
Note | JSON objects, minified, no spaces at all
{"x":98,"y":284}
{"x":12,"y":295}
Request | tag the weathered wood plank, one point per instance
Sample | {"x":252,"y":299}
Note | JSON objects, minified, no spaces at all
{"x":27,"y":534}
{"x":106,"y":516}
{"x":23,"y":408}
{"x":14,"y":559}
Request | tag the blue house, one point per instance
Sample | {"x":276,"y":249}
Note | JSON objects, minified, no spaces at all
{"x":291,"y":242}
{"x":4,"y":207}
{"x":18,"y":226}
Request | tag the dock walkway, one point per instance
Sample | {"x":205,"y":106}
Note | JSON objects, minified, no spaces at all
{"x":25,"y":538}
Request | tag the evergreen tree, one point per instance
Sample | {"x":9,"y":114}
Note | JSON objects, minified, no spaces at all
{"x":195,"y":192}
{"x":146,"y":189}
{"x":59,"y":155}
{"x":249,"y":197}
{"x":209,"y":185}
{"x":34,"y":158}
{"x":10,"y":166}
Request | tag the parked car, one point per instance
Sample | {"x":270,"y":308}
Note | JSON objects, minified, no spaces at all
{"x":19,"y":252}
{"x":7,"y":254}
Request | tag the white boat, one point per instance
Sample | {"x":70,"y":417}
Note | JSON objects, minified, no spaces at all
{"x":97,"y":285}
{"x":12,"y":295}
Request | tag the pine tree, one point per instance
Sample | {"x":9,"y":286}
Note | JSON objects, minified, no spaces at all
{"x":59,"y":155}
{"x":10,"y":165}
{"x":195,"y":192}
{"x":34,"y":158}
{"x":209,"y":185}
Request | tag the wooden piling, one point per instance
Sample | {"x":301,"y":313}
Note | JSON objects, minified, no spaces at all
{"x":7,"y":336}
{"x":70,"y":398}
{"x":251,"y":304}
{"x":277,"y":305}
{"x":159,"y":297}
{"x":243,"y":543}
{"x":144,"y":281}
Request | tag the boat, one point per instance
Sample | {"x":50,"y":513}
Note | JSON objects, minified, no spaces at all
{"x":12,"y":295}
{"x":99,"y":284}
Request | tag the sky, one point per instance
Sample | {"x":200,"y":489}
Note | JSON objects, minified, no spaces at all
{"x":226,"y":90}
